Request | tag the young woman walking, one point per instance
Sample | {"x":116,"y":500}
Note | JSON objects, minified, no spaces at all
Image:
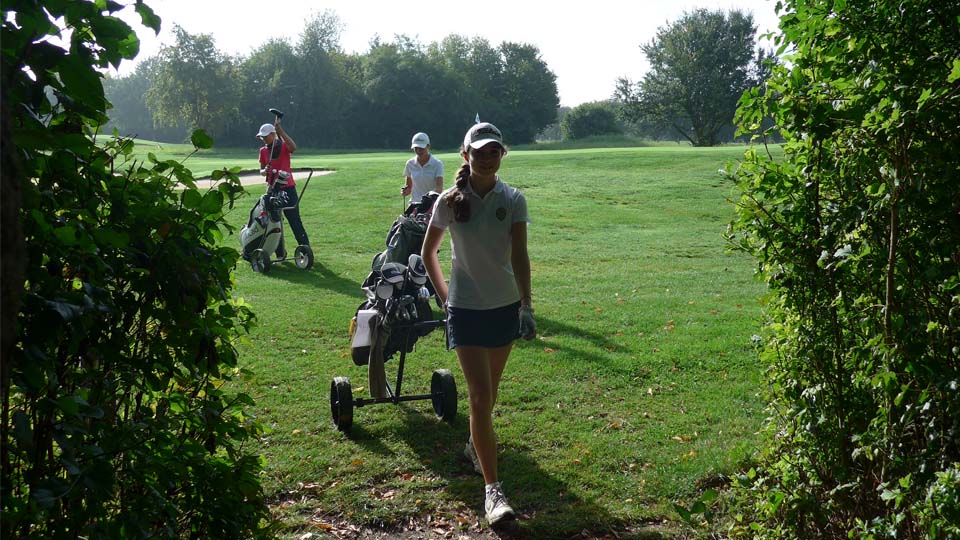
{"x":488,"y":301}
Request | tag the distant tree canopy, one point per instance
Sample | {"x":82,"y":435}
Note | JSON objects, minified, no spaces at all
{"x":333,"y":99}
{"x":590,"y":119}
{"x":700,"y":65}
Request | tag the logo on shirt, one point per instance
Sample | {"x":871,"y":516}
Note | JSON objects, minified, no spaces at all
{"x":501,"y":213}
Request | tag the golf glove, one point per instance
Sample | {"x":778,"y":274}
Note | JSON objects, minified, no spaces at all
{"x":528,"y":327}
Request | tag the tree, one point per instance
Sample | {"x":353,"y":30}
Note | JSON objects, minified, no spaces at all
{"x":590,"y":119}
{"x":529,"y":98}
{"x":268,"y":80}
{"x":117,"y":419}
{"x":129,"y":113}
{"x":699,"y":67}
{"x":196,"y":85}
{"x":857,"y":233}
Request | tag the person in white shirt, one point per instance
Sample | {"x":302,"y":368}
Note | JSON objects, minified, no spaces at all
{"x":488,"y":300}
{"x":423,"y":172}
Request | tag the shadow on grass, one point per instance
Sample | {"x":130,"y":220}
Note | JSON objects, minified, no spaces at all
{"x":544,"y":501}
{"x":319,"y":277}
{"x":595,"y":341}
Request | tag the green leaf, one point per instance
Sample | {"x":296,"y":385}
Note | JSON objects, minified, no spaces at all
{"x":192,"y":199}
{"x":200,"y":139}
{"x":955,"y":72}
{"x":148,"y":17}
{"x":69,"y":404}
{"x":67,"y":236}
{"x":212,"y":202}
{"x":80,"y":80}
{"x":905,"y":481}
{"x":112,"y":238}
{"x":924,"y":96}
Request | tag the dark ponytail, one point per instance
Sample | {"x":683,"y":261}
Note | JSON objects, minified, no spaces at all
{"x":457,"y":199}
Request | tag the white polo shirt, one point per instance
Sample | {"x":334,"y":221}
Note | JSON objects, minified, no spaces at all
{"x":424,"y":178}
{"x":481,"y":274}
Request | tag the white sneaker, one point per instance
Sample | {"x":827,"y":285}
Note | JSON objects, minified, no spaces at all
{"x":496,"y":505}
{"x":471,"y":454}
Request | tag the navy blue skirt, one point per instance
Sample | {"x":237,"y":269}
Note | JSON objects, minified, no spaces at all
{"x":490,"y":328}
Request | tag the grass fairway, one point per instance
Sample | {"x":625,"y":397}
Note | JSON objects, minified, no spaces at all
{"x":641,"y":384}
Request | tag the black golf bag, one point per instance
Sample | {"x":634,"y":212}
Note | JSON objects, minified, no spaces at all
{"x":397,"y":287}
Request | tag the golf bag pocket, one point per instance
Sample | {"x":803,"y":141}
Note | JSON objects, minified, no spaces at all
{"x":361,"y":336}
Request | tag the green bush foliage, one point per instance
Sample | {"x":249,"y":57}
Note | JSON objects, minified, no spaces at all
{"x":117,"y":418}
{"x":588,"y":120}
{"x":857,"y":233}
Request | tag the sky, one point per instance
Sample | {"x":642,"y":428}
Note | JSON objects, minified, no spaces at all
{"x":588,"y":47}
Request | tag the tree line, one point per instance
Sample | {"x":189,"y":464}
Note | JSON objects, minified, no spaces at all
{"x":701,"y":64}
{"x":334,"y":99}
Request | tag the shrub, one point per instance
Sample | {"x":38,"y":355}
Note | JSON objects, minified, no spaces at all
{"x":857,"y":233}
{"x":589,"y":119}
{"x":117,"y":417}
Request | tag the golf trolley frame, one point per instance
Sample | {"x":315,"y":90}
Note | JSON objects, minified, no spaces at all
{"x":260,"y":261}
{"x":395,"y":315}
{"x":443,"y":387}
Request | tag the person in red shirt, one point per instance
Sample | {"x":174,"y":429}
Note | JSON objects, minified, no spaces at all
{"x":275,"y":166}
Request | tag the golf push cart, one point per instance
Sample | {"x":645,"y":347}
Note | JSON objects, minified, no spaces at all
{"x":395,"y":314}
{"x":262,"y":236}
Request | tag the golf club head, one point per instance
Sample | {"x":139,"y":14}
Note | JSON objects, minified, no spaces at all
{"x":384,"y":290}
{"x":276,"y":112}
{"x":423,"y":293}
{"x":418,"y":271}
{"x":392,"y":272}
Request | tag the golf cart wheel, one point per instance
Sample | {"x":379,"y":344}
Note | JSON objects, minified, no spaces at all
{"x":265,"y":262}
{"x":256,"y":260}
{"x":443,"y":392}
{"x":341,"y":403}
{"x":303,"y":255}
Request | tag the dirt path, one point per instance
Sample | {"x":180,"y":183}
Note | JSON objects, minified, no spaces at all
{"x":252,"y":178}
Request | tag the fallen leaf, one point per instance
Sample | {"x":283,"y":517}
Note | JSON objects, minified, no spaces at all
{"x":357,"y":462}
{"x":547,"y":350}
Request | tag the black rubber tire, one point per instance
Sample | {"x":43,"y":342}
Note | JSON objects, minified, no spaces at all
{"x":341,"y":403}
{"x":303,"y":256}
{"x":256,"y":261}
{"x":443,"y":392}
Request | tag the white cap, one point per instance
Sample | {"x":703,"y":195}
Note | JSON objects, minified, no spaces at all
{"x":420,"y":140}
{"x":481,"y":134}
{"x":266,"y":129}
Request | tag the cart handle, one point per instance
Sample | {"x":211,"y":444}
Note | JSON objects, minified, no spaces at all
{"x":305,"y":184}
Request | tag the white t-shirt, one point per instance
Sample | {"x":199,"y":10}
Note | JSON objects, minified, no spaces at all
{"x":481,"y":274}
{"x":424,"y":178}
